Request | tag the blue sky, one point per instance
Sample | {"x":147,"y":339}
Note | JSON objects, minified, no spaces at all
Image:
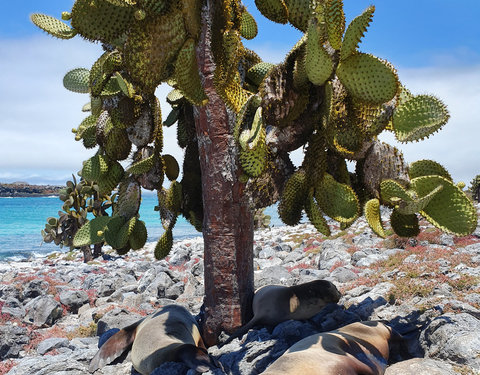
{"x":435,"y":45}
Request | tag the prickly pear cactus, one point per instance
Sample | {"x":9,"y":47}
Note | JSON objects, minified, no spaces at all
{"x":328,"y":96}
{"x":82,"y":203}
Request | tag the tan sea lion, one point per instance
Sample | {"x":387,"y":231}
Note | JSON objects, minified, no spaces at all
{"x":273,"y":304}
{"x":171,"y":334}
{"x":360,"y":348}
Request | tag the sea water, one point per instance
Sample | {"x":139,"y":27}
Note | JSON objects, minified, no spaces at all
{"x":22,"y":219}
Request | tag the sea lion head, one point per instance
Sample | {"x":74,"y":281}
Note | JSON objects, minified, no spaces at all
{"x":318,"y":289}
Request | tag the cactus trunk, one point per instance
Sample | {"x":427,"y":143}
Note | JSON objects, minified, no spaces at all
{"x":228,"y":218}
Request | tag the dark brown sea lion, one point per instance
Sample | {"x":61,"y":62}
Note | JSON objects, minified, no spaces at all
{"x":274,"y":304}
{"x":171,"y":334}
{"x":360,"y":348}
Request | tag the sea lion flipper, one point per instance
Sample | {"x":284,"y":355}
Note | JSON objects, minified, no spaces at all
{"x":114,"y":347}
{"x":194,"y":357}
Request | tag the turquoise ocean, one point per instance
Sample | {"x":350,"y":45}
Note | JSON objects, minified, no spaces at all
{"x":22,"y":219}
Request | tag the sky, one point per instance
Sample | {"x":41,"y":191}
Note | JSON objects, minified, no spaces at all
{"x":435,"y":46}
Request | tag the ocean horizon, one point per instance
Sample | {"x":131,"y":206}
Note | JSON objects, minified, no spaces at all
{"x":23,"y":218}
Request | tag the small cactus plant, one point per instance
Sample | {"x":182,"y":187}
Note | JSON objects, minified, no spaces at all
{"x":79,"y":200}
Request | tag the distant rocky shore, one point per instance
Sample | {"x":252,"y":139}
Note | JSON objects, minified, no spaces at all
{"x":53,"y":309}
{"x":23,"y":189}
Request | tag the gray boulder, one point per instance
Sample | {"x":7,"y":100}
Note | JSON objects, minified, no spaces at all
{"x":453,"y":337}
{"x":12,"y":340}
{"x":52,"y":343}
{"x":43,"y":310}
{"x":420,"y":366}
{"x":73,"y":299}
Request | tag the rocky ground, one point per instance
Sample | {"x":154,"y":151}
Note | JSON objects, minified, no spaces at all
{"x":428,"y":288}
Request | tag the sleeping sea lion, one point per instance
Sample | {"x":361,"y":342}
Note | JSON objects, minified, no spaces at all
{"x":273,"y":304}
{"x":171,"y":334}
{"x":360,"y":348}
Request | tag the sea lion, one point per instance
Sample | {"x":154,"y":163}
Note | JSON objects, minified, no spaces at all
{"x":171,"y":334}
{"x":273,"y":304}
{"x":360,"y":348}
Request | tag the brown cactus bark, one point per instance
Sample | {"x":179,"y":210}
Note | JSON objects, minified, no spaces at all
{"x":228,"y":218}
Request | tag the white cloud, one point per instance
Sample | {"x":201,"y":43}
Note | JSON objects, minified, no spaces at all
{"x":36,"y":143}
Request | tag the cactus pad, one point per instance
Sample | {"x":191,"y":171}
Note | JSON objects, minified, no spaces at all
{"x":257,"y":73}
{"x":164,"y":245}
{"x":138,"y":236}
{"x":101,"y":19}
{"x":419,"y":117}
{"x":337,"y":200}
{"x":248,"y":26}
{"x":77,"y":80}
{"x":95,"y":167}
{"x":355,"y":31}
{"x":172,"y":168}
{"x":187,"y":75}
{"x":113,"y":232}
{"x":274,"y":10}
{"x":53,"y":26}
{"x":315,"y":215}
{"x":404,"y":225}
{"x":253,"y":160}
{"x":293,"y":198}
{"x":152,"y":46}
{"x":129,"y":197}
{"x":368,"y":79}
{"x":427,"y":168}
{"x":318,"y":64}
{"x":91,"y":232}
{"x":143,"y":165}
{"x":117,"y":146}
{"x":450,"y":209}
{"x":299,"y":13}
{"x":335,"y":18}
{"x":373,"y":217}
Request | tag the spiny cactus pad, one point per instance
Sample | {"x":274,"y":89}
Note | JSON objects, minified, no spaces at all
{"x":101,"y":19}
{"x":335,"y":19}
{"x":368,"y":79}
{"x":450,"y":209}
{"x":129,"y":197}
{"x":337,"y":200}
{"x":293,"y":198}
{"x":91,"y":232}
{"x":315,"y":215}
{"x":248,"y":25}
{"x":257,"y":73}
{"x":404,"y":225}
{"x":138,"y":236}
{"x":355,"y":31}
{"x":187,"y":76}
{"x":164,"y":245}
{"x":299,"y":13}
{"x":372,"y":215}
{"x":419,"y":117}
{"x":53,"y":26}
{"x":77,"y":80}
{"x":427,"y":168}
{"x":318,"y":64}
{"x":274,"y":10}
